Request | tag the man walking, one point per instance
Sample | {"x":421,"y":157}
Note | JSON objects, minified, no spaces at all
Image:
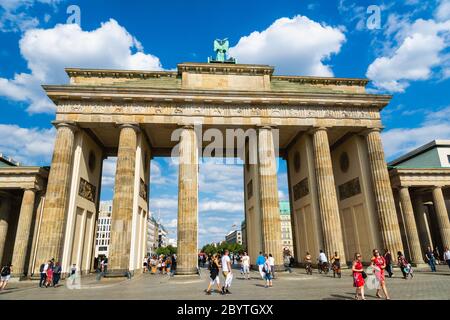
{"x":43,"y":270}
{"x":56,"y":274}
{"x":430,"y":259}
{"x":245,"y":260}
{"x":260,"y":263}
{"x":447,"y":256}
{"x":388,"y":259}
{"x":272,"y":265}
{"x":226,"y":271}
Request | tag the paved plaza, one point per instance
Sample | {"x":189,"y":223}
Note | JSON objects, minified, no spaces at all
{"x":294,"y":286}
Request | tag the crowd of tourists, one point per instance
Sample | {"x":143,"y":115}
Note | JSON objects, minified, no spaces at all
{"x":50,"y":274}
{"x":265,"y":263}
{"x":162,"y":264}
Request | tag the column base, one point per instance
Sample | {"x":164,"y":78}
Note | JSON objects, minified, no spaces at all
{"x":422,"y":265}
{"x":120,"y":273}
{"x":20,"y":276}
{"x":186,"y":271}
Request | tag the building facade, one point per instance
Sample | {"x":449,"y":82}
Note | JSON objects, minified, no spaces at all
{"x":421,"y":187}
{"x":152,"y":235}
{"x":234,"y":236}
{"x":103,"y":235}
{"x":286,"y":227}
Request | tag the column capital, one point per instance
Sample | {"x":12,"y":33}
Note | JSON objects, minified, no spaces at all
{"x":317,"y":129}
{"x":132,"y":125}
{"x":266,"y":127}
{"x":67,"y":124}
{"x":186,"y":126}
{"x":367,"y":131}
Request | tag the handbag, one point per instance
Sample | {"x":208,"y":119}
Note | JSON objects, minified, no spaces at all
{"x":364,"y":275}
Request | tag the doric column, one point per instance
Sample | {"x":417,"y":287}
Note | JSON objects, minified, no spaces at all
{"x":384,"y":198}
{"x":441,"y":216}
{"x":5,"y":208}
{"x":422,"y":229}
{"x":268,"y":190}
{"x":410,"y":226}
{"x":328,"y":204}
{"x":187,"y":203}
{"x":51,"y":239}
{"x":122,"y":214}
{"x":22,"y":241}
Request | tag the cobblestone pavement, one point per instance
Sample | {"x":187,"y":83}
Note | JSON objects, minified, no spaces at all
{"x":288,"y":286}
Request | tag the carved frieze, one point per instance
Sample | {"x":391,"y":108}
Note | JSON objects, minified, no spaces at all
{"x":249,"y":189}
{"x":87,"y":190}
{"x":301,"y":189}
{"x":267,"y":110}
{"x":349,"y":189}
{"x":143,"y":187}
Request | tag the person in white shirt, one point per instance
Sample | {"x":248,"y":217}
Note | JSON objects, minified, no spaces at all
{"x":272,"y":265}
{"x":245,"y":261}
{"x":447,"y":256}
{"x":322,"y":260}
{"x":226,"y":271}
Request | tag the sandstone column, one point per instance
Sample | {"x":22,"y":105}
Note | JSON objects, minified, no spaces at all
{"x":5,"y":207}
{"x":51,"y":239}
{"x":268,"y":190}
{"x":22,"y":241}
{"x":410,"y":225}
{"x":387,"y":215}
{"x":441,"y":216}
{"x":122,"y":214}
{"x":419,"y":211}
{"x":328,"y":204}
{"x":187,"y":203}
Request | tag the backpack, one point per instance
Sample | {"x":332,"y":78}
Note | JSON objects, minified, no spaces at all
{"x":6,"y":271}
{"x":267,"y":268}
{"x":41,"y":268}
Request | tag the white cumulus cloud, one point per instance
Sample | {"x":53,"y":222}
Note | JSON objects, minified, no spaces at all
{"x":29,"y":146}
{"x":435,"y":126}
{"x":419,"y":54}
{"x":295,"y":45}
{"x":49,"y":51}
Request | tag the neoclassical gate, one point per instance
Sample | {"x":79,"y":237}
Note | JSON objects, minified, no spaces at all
{"x":328,"y":130}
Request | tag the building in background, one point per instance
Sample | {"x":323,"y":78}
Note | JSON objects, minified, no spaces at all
{"x":152,"y":235}
{"x":286,"y":227}
{"x":163,"y":240}
{"x":103,"y":237}
{"x":234,"y":236}
{"x":172,"y":242}
{"x":244,"y":235}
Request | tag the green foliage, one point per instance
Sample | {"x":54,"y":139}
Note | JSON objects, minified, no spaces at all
{"x":211,"y":249}
{"x":169,"y":250}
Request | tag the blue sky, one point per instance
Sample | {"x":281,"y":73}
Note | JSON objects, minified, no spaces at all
{"x":406,"y":55}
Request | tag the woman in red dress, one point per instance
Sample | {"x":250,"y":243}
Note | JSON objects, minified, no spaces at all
{"x":358,"y":279}
{"x":379,"y":264}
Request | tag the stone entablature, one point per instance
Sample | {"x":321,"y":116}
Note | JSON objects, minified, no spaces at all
{"x":23,"y":178}
{"x":419,"y":177}
{"x":310,"y":115}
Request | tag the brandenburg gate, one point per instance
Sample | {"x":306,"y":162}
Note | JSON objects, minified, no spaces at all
{"x":328,"y":130}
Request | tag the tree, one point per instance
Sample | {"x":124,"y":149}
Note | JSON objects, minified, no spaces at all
{"x":211,"y":249}
{"x":167,"y":251}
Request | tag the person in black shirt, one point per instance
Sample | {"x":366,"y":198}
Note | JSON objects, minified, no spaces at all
{"x":214,"y":274}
